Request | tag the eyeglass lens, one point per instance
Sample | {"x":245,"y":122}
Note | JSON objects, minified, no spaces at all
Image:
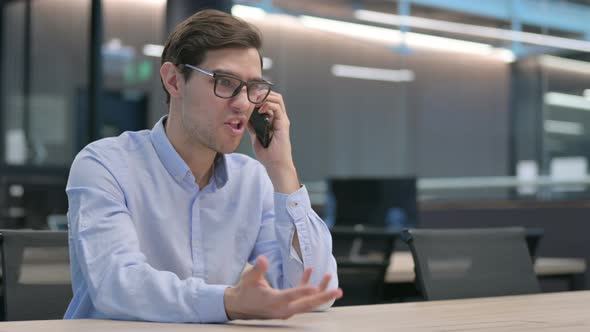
{"x":227,"y":87}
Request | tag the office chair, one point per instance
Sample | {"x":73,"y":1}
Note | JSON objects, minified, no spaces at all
{"x":36,"y":274}
{"x":533,"y":237}
{"x":467,"y":263}
{"x":362,"y":256}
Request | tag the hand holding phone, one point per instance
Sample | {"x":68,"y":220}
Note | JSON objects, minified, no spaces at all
{"x":262,"y":127}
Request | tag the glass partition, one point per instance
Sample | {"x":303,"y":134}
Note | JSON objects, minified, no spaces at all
{"x":132,"y":45}
{"x":45,"y":61}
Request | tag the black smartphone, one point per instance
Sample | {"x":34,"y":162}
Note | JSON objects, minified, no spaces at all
{"x":262,"y":127}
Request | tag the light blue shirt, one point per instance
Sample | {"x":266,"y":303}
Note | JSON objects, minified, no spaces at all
{"x":146,"y":243}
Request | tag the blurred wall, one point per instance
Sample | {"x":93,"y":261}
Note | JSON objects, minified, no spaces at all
{"x":452,"y":120}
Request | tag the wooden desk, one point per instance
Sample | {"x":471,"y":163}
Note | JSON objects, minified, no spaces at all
{"x":401,"y":267}
{"x":566,"y":311}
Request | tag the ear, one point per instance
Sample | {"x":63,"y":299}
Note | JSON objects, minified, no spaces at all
{"x":172,"y":79}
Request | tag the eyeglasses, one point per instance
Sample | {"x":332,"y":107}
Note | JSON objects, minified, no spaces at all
{"x":228,"y":86}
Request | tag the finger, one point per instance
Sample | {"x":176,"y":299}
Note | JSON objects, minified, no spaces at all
{"x":261,"y":265}
{"x":294,"y":294}
{"x":306,"y":276}
{"x":277,"y":99}
{"x":311,"y":302}
{"x":325,"y":282}
{"x":268,"y":110}
{"x":258,"y":270}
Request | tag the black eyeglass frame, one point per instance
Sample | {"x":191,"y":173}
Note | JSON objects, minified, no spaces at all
{"x":217,"y":76}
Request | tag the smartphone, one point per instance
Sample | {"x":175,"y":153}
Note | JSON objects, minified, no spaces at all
{"x":262,"y":127}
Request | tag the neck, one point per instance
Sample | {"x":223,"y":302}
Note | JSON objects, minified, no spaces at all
{"x":198,"y":157}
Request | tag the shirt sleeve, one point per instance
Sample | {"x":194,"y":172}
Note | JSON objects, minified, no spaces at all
{"x":121,"y":284}
{"x":283,"y":214}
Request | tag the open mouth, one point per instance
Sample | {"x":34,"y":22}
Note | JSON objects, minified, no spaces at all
{"x":236,"y":125}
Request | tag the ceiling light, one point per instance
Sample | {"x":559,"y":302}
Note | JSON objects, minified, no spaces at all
{"x":115,"y":49}
{"x":395,"y":37}
{"x":374,"y":74}
{"x":153,"y":50}
{"x":473,"y":30}
{"x":248,"y":12}
{"x":567,"y":101}
{"x":389,"y":36}
{"x":352,"y":29}
{"x":266,"y":63}
{"x":565,"y":64}
{"x":564,"y":127}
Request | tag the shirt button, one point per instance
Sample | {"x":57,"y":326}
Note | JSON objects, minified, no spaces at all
{"x":293,"y":204}
{"x":196,"y":244}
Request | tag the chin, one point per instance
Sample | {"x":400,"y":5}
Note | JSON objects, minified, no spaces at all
{"x":227,"y":148}
{"x":226,"y":151}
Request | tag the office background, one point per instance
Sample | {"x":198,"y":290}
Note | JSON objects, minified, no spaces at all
{"x":447,"y":109}
{"x":484,"y":102}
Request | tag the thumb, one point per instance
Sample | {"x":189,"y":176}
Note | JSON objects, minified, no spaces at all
{"x":258,"y":270}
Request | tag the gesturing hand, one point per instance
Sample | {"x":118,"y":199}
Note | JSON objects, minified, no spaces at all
{"x":253,"y":298}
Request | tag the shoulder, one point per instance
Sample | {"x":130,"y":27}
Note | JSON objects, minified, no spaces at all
{"x":123,"y":146}
{"x":112,"y":153}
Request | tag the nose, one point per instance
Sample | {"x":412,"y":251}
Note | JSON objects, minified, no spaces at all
{"x":240,"y":101}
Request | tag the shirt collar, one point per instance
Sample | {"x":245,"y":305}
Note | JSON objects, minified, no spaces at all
{"x":174,"y":163}
{"x":220,"y":173}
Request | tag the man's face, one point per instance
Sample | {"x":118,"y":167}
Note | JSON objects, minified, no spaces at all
{"x":212,"y":122}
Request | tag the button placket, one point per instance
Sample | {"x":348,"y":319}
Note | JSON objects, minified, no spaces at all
{"x":197,"y":253}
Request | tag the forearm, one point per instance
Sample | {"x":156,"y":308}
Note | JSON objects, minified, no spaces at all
{"x":124,"y":286}
{"x":162,"y":299}
{"x":302,"y":233}
{"x":284,"y":178}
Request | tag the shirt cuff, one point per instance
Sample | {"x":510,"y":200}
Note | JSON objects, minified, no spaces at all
{"x":291,"y":207}
{"x":211,"y":305}
{"x":291,"y":212}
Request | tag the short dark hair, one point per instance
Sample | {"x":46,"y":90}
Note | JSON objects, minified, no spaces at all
{"x":207,"y":30}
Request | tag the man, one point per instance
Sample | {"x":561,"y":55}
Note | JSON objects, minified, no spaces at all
{"x":163,"y":221}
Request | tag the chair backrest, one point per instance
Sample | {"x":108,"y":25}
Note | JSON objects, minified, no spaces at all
{"x":36,"y":274}
{"x":533,"y":237}
{"x":467,"y":263}
{"x":362,"y":269}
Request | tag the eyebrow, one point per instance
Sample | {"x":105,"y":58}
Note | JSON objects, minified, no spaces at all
{"x":229,"y":72}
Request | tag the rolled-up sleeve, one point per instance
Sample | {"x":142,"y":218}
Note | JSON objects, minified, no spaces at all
{"x":121,"y":284}
{"x":283,"y":215}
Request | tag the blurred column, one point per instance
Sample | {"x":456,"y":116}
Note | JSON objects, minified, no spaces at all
{"x":95,"y":84}
{"x":178,"y":10}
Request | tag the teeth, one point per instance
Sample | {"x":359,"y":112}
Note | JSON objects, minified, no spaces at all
{"x":235,"y":122}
